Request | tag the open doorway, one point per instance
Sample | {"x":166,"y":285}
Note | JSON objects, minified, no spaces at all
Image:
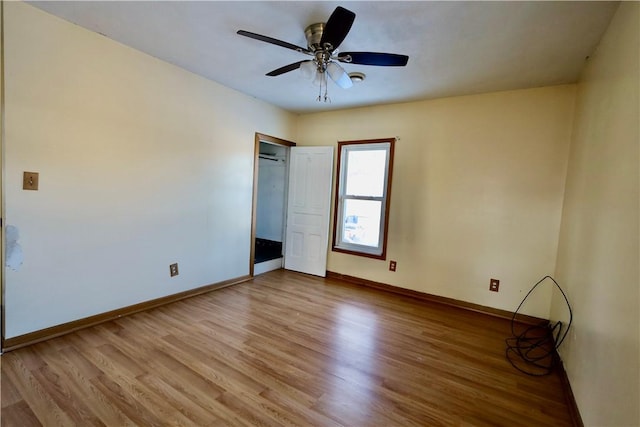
{"x":271,"y":171}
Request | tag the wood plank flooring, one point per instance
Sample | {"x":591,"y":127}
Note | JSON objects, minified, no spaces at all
{"x":284,"y":349}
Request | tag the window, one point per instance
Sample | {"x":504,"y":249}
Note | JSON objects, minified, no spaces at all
{"x":362,"y":197}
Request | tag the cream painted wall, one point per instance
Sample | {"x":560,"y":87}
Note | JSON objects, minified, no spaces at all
{"x":2,"y":213}
{"x":477,"y":191}
{"x":141,"y":164}
{"x":598,"y":252}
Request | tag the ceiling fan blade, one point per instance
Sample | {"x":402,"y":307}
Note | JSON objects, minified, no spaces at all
{"x":271,"y":40}
{"x":285,"y":69}
{"x":337,"y":27}
{"x":374,"y":58}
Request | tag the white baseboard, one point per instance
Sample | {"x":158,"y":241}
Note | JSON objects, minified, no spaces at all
{"x":263,"y":267}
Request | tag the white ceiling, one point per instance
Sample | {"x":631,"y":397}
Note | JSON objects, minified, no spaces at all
{"x":454,"y":48}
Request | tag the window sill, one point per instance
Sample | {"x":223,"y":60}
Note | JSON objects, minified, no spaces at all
{"x":382,"y":256}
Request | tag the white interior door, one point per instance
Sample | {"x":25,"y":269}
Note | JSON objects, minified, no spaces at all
{"x":308,"y":208}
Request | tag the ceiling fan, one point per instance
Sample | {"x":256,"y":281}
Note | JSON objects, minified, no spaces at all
{"x":323,"y":40}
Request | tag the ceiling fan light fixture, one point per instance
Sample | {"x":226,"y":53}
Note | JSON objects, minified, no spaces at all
{"x":339,"y":75}
{"x":308,"y":69}
{"x":335,"y":71}
{"x":319,"y":78}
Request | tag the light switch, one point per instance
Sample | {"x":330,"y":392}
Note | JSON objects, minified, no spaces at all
{"x":30,"y":181}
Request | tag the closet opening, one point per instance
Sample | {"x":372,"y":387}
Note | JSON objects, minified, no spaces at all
{"x":271,"y":174}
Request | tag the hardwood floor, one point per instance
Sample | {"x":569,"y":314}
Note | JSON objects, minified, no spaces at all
{"x":284,"y":349}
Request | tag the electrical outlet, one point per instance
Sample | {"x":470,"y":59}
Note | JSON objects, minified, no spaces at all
{"x":392,"y":266}
{"x":173,"y":269}
{"x":494,"y":285}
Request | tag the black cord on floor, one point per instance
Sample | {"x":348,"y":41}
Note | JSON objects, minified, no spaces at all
{"x":534,"y":350}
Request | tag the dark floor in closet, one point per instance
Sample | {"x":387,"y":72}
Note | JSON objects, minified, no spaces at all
{"x":267,"y":250}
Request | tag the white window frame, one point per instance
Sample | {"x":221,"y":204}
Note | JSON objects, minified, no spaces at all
{"x":344,"y":147}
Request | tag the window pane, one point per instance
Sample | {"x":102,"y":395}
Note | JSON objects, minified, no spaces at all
{"x":361,"y":222}
{"x":365,"y":172}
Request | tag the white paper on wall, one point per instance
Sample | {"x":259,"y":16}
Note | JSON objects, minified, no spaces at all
{"x":14,"y":256}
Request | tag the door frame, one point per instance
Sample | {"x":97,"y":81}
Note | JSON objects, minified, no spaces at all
{"x":260,"y":137}
{"x":2,"y":179}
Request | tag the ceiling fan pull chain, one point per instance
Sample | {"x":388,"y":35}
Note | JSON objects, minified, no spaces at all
{"x":326,"y":88}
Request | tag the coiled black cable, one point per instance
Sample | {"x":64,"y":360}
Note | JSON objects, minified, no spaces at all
{"x":534,"y":350}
